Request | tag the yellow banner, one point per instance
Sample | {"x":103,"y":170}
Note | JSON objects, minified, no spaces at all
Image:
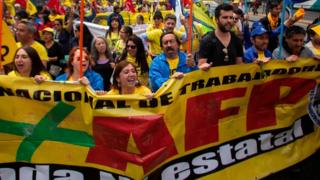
{"x":233,"y":122}
{"x":9,"y":46}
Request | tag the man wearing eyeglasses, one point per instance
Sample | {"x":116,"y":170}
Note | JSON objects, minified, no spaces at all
{"x":170,"y":63}
{"x":221,"y":47}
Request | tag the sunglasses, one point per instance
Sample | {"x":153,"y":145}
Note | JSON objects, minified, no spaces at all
{"x":131,"y":46}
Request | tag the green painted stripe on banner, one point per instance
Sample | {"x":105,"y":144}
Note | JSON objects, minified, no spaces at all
{"x":16,"y":128}
{"x":46,"y":129}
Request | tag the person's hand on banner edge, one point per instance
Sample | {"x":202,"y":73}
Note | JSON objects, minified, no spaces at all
{"x":84,"y":81}
{"x":149,"y":96}
{"x":204,"y":66}
{"x":292,"y":58}
{"x":262,"y":61}
{"x":39,"y":79}
{"x":177,"y":75}
{"x":190,"y":60}
{"x":100,"y":92}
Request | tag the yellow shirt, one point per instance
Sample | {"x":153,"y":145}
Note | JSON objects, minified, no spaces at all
{"x":261,"y":55}
{"x":143,"y":78}
{"x":173,"y":64}
{"x":113,"y":39}
{"x":42,"y":73}
{"x":153,"y":27}
{"x":197,"y":33}
{"x":142,"y":90}
{"x":41,"y":50}
{"x":154,"y":40}
{"x":119,"y":47}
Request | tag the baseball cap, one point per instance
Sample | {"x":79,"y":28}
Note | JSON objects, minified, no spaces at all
{"x":48,"y":29}
{"x":256,"y":24}
{"x":258,"y":31}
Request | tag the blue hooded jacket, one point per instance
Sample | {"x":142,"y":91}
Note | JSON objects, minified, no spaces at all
{"x":96,"y":81}
{"x":160,"y":71}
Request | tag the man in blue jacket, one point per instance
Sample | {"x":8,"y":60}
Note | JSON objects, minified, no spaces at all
{"x":258,"y":51}
{"x":170,"y":63}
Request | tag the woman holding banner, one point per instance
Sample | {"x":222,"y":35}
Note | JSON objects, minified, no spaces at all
{"x":125,"y":81}
{"x":73,"y":70}
{"x":27,"y":63}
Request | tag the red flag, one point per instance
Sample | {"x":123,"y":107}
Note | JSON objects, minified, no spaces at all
{"x":23,"y":3}
{"x":129,"y":6}
{"x":55,"y":4}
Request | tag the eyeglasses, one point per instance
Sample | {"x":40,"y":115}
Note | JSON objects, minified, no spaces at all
{"x":57,"y":24}
{"x":131,"y":46}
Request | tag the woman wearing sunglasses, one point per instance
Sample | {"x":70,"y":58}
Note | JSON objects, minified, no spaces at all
{"x":136,"y":54}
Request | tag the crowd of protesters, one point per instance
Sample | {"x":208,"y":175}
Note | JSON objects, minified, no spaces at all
{"x":55,"y":39}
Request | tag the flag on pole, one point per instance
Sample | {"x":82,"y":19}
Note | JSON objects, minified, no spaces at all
{"x":55,"y":4}
{"x":10,"y":8}
{"x":31,"y":8}
{"x":129,"y":6}
{"x":201,"y":15}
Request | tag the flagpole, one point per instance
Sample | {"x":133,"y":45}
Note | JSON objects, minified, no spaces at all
{"x":283,"y":13}
{"x":190,"y":28}
{"x":1,"y":4}
{"x":81,"y":36}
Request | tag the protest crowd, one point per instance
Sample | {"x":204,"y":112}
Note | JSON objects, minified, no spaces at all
{"x":124,"y":61}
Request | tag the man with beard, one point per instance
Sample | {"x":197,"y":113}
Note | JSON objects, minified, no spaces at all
{"x":293,"y":45}
{"x":170,"y":63}
{"x":258,"y":52}
{"x":221,"y":47}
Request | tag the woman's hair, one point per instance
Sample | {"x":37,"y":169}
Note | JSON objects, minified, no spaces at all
{"x":36,"y":66}
{"x":141,"y":57}
{"x":121,"y":65}
{"x":87,"y":36}
{"x":71,"y":56}
{"x":111,"y":28}
{"x":95,"y":53}
{"x":128,"y":30}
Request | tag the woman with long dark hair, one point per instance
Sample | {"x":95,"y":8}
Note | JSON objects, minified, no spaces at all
{"x":27,"y":63}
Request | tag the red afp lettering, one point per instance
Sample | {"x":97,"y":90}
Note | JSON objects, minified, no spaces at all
{"x":265,"y":97}
{"x":203,"y":115}
{"x":112,"y":135}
